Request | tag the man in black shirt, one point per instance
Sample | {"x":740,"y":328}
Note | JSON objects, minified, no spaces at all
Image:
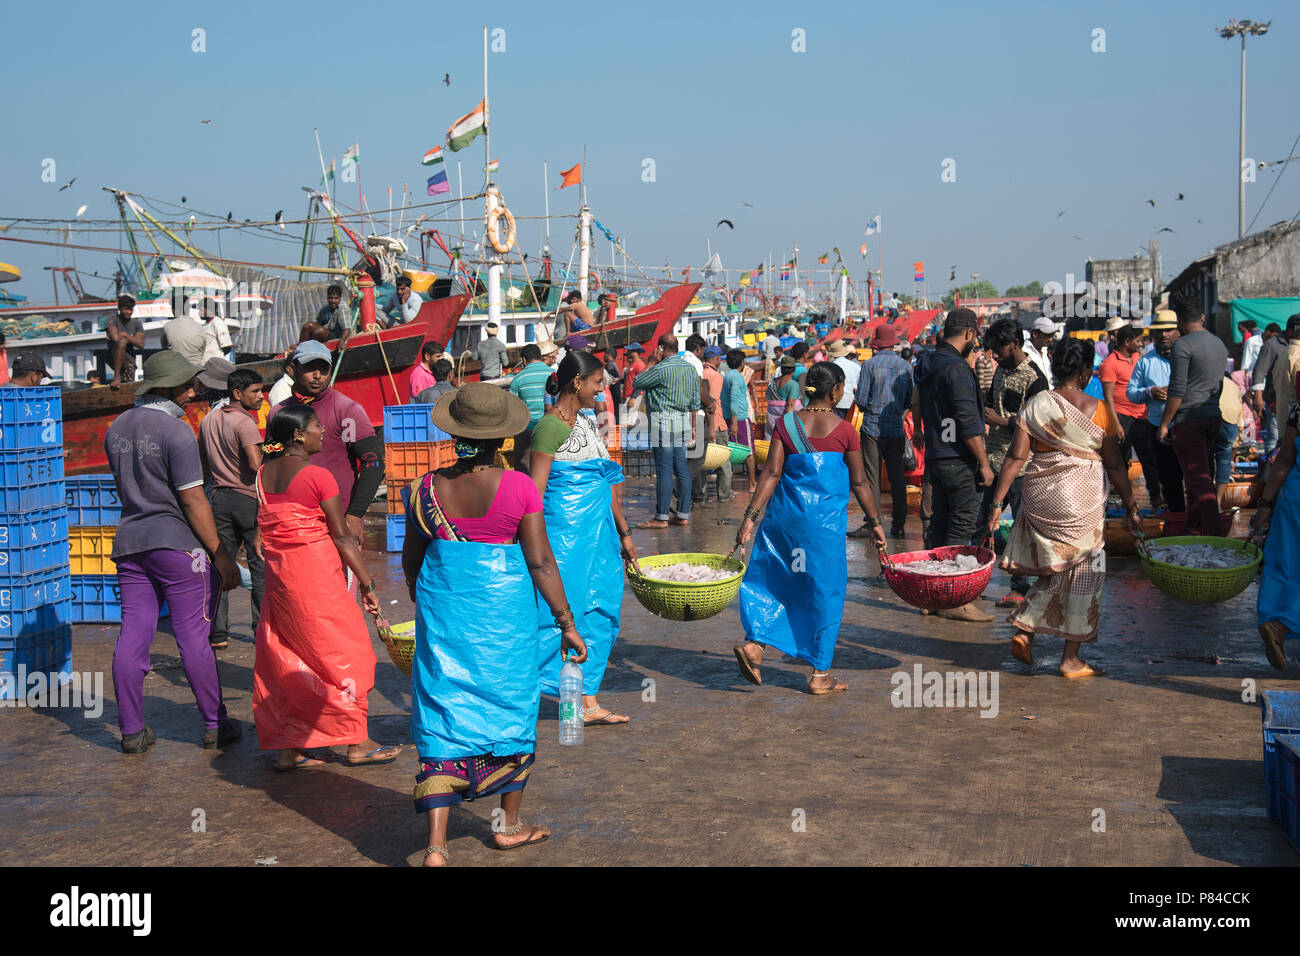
{"x":950,"y":420}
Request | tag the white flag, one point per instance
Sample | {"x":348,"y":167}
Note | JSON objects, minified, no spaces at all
{"x":873,"y":226}
{"x":352,"y":154}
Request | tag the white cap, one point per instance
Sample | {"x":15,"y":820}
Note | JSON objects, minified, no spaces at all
{"x":492,"y":326}
{"x":1045,"y":325}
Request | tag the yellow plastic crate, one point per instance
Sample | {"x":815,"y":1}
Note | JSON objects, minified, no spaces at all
{"x":89,"y":550}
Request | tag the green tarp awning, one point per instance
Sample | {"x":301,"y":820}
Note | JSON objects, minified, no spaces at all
{"x":1263,"y":311}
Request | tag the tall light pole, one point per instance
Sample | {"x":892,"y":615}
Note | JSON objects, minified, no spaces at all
{"x":1235,"y":28}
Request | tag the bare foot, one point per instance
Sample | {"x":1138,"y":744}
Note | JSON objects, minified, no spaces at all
{"x":529,"y":833}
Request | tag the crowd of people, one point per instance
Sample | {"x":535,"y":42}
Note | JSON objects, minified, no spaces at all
{"x":514,"y":570}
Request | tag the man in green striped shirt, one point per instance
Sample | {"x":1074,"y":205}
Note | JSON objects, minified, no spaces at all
{"x":672,"y":396}
{"x":529,"y":385}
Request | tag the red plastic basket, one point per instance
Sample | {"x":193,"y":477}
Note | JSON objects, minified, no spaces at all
{"x":935,"y":592}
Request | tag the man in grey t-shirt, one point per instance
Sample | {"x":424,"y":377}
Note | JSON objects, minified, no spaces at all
{"x":166,"y":548}
{"x":1191,"y":420}
{"x":491,"y":354}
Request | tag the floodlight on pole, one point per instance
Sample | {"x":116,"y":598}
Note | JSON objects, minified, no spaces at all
{"x":1242,"y":28}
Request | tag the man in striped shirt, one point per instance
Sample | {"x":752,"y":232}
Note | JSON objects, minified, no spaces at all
{"x":883,"y":393}
{"x":530,"y":386}
{"x":672,"y":396}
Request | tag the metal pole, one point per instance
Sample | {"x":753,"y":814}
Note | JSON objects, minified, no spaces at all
{"x":1241,"y":144}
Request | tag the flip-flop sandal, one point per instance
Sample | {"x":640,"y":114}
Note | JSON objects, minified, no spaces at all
{"x":1274,"y":636}
{"x":1021,"y":641}
{"x":367,"y":760}
{"x":747,"y":670}
{"x":605,"y":720}
{"x":219,"y":645}
{"x":302,"y":763}
{"x":1011,"y":599}
{"x":1086,"y":671}
{"x":835,"y":688}
{"x":531,"y":841}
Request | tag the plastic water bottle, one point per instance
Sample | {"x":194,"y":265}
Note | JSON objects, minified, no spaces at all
{"x":570,"y":704}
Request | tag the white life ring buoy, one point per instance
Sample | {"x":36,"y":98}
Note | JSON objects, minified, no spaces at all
{"x":494,"y":232}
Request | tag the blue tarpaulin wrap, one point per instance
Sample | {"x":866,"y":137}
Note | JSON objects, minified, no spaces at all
{"x":580,"y":527}
{"x":1276,"y":600}
{"x":792,"y":597}
{"x":474,"y":683}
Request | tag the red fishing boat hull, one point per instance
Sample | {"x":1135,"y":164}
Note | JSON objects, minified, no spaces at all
{"x":374,"y":369}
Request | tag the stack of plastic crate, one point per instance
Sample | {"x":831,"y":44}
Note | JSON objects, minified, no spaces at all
{"x":412,"y":446}
{"x":94,"y":511}
{"x":35,"y":596}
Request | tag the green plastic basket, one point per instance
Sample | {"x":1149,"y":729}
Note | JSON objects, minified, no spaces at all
{"x":686,"y":602}
{"x":738,"y":453}
{"x":1200,"y":585}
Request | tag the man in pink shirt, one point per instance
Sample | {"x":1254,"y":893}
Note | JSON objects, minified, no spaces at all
{"x":350,"y":450}
{"x":422,"y":374}
{"x":715,"y":429}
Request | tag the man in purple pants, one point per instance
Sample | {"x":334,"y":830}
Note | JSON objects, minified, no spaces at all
{"x":166,"y":549}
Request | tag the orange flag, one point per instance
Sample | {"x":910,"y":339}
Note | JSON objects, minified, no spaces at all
{"x":572,"y":176}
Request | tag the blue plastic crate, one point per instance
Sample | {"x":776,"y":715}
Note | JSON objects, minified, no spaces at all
{"x":31,"y":418}
{"x":27,"y":592}
{"x":1280,"y":713}
{"x":97,"y":599}
{"x":788,"y":341}
{"x":92,"y":501}
{"x":31,"y":479}
{"x":396,"y":531}
{"x":1288,"y":765}
{"x":14,"y":624}
{"x":48,"y":652}
{"x":410,"y":423}
{"x":33,"y":541}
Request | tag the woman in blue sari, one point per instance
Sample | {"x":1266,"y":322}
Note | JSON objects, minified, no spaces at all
{"x":475,"y":550}
{"x":1277,"y":525}
{"x":582,"y":491}
{"x":792,"y":597}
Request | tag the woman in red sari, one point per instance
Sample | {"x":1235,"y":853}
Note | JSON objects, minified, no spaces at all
{"x":315,"y":660}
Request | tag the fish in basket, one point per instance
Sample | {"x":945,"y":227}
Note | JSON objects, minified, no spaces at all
{"x":1200,"y":569}
{"x":940,"y":591}
{"x":694,"y":586}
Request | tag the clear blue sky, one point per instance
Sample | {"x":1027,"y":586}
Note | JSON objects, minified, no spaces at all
{"x":818,"y":141}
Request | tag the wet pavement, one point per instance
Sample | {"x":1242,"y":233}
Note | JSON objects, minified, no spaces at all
{"x":1156,"y":763}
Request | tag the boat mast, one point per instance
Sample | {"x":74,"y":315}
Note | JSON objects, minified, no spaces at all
{"x":584,"y":234}
{"x":546,"y":196}
{"x":492,"y":201}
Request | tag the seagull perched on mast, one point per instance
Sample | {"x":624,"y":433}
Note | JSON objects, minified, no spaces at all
{"x":279,"y":216}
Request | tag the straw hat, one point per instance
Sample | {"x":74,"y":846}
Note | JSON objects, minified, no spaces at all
{"x":1115,"y":324}
{"x":837,"y":349}
{"x":1166,"y":321}
{"x":480,"y":410}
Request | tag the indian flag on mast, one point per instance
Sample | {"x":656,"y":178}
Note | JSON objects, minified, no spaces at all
{"x":432,"y":156}
{"x":465,"y":129}
{"x":352,"y":155}
{"x":493,"y":166}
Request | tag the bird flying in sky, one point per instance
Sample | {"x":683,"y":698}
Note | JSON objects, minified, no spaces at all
{"x":1152,"y":202}
{"x":749,"y":204}
{"x":1164,"y":229}
{"x":68,"y":184}
{"x":727,"y":221}
{"x":1180,"y":195}
{"x":446,"y":79}
{"x":1060,"y":214}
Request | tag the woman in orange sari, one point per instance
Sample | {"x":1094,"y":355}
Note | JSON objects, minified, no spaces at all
{"x":315,"y":660}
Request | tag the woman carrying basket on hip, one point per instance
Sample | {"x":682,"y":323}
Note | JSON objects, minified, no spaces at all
{"x":1059,"y":532}
{"x":792,"y":597}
